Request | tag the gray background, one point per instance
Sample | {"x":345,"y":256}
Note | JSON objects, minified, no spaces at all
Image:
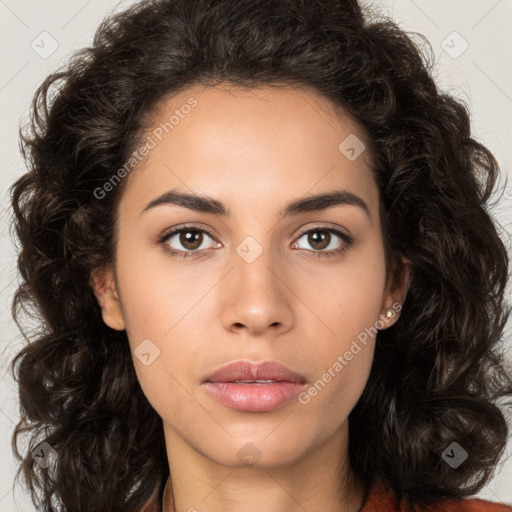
{"x":472,"y":41}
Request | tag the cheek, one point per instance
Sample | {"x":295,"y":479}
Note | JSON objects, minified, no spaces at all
{"x":346,"y":297}
{"x":348,"y":301}
{"x":343,"y":363}
{"x":358,"y":302}
{"x":151,"y":299}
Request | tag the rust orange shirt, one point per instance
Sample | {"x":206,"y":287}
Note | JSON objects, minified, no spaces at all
{"x":382,"y":499}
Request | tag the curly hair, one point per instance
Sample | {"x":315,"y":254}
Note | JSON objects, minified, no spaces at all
{"x":437,"y":375}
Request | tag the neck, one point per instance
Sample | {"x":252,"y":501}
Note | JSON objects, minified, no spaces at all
{"x":320,"y":480}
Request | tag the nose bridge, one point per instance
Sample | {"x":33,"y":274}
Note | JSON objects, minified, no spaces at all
{"x":256,"y":295}
{"x":256,"y":263}
{"x":255,"y":251}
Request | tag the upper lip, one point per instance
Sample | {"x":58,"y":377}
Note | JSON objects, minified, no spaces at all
{"x":245,"y":370}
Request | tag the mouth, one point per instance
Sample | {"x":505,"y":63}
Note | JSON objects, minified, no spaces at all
{"x":255,"y":381}
{"x":250,"y":373}
{"x":250,"y":387}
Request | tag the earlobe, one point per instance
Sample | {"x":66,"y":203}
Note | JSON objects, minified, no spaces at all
{"x":104,"y":287}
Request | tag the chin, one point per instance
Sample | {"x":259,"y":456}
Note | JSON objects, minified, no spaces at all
{"x":257,"y":452}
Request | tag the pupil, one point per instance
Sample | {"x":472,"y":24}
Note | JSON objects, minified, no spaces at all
{"x":315,"y":235}
{"x":190,"y":237}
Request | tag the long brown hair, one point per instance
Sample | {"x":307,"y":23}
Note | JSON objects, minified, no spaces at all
{"x":437,"y":374}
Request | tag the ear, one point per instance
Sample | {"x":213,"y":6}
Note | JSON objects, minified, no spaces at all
{"x":103,"y":285}
{"x":399,"y":280}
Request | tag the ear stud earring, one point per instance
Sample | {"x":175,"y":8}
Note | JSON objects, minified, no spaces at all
{"x":388,"y":314}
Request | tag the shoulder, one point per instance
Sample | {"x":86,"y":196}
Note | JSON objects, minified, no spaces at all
{"x":382,"y":499}
{"x":469,"y":505}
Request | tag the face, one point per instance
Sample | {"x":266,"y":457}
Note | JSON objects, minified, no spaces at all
{"x":305,"y":288}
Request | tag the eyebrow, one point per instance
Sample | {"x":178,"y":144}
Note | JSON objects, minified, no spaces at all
{"x":207,"y":204}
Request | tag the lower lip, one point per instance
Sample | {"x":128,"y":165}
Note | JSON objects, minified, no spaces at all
{"x":254,"y":397}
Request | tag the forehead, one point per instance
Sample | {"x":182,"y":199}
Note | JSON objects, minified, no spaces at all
{"x":264,"y":143}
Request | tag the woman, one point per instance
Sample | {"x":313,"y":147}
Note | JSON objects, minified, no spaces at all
{"x":256,"y":237}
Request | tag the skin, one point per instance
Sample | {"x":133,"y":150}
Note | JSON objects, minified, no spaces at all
{"x":255,"y":150}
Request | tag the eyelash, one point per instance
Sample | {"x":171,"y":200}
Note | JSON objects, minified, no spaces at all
{"x":188,"y":254}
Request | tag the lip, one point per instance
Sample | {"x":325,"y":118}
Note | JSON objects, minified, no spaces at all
{"x":245,"y":370}
{"x":254,"y":397}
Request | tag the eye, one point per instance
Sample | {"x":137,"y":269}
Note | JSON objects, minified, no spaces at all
{"x":321,"y":237}
{"x":190,"y":237}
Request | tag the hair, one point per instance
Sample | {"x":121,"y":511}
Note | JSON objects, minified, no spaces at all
{"x":438,"y":374}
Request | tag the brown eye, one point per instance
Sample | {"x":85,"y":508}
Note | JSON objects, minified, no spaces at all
{"x":185,"y":242}
{"x":321,"y":238}
{"x":189,"y":239}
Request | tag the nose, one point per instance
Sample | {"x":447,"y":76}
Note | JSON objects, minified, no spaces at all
{"x":257,"y":296}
